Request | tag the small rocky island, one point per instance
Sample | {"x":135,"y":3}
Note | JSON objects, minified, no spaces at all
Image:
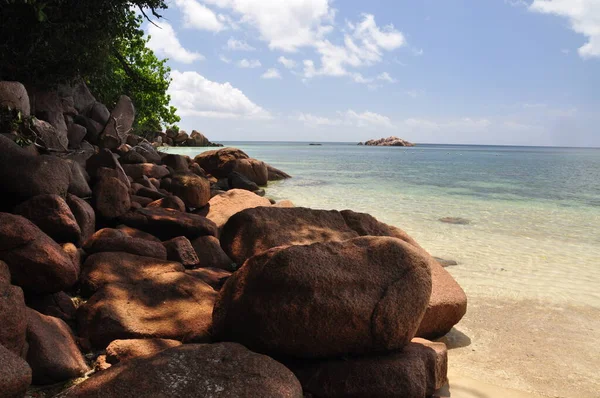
{"x":390,"y":141}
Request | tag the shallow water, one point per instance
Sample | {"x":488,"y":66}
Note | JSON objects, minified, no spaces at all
{"x":534,"y":213}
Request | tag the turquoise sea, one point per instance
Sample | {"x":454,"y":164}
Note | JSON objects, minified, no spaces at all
{"x":534,"y":212}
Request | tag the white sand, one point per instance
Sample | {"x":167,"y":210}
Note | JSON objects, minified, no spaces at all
{"x":507,"y":348}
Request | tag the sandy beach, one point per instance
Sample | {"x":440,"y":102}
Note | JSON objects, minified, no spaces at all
{"x":506,"y":348}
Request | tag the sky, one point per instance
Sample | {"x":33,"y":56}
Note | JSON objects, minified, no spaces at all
{"x":505,"y":72}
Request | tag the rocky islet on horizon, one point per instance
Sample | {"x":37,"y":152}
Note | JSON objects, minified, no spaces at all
{"x":116,"y":259}
{"x":390,"y":141}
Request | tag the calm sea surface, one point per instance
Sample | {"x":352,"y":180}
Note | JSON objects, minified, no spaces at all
{"x":534,"y":213}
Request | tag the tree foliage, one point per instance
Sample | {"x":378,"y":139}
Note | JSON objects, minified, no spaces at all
{"x":46,"y":42}
{"x":133,"y":69}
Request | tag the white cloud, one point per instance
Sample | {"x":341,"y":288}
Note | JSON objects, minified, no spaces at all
{"x":451,"y":126}
{"x":285,"y":25}
{"x":252,"y":63}
{"x":349,"y":118}
{"x":198,"y":16}
{"x":238,"y":45}
{"x":224,"y":59}
{"x":272,"y":73}
{"x":288,"y":63}
{"x":386,"y":78}
{"x":584,"y":17}
{"x":194,"y":95}
{"x":164,"y":42}
{"x":415,"y":93}
{"x":367,"y":119}
{"x":516,"y":3}
{"x":363,"y":46}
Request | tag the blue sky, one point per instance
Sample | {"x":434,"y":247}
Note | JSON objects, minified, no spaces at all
{"x":509,"y":72}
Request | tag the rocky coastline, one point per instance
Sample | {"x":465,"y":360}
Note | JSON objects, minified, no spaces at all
{"x":130,"y":271}
{"x":390,"y":141}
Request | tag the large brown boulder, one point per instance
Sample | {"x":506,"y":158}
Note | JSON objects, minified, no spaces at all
{"x":119,"y":124}
{"x":15,"y":374}
{"x":117,"y":267}
{"x":167,"y":223}
{"x":447,"y":305}
{"x":124,"y":350}
{"x":215,"y":277}
{"x":220,"y":163}
{"x":171,"y":305}
{"x":23,"y":176}
{"x":225,"y":205}
{"x":46,"y":105}
{"x":255,"y":230}
{"x":192,"y":189}
{"x":53,"y":216}
{"x":417,"y":372}
{"x":136,"y":233}
{"x":58,"y":305}
{"x":225,"y":370}
{"x":126,"y":244}
{"x":179,"y":163}
{"x":150,"y":170}
{"x":211,"y":255}
{"x":180,"y":249}
{"x":13,"y":95}
{"x":36,"y":262}
{"x":53,"y":354}
{"x":13,"y":317}
{"x":48,"y":136}
{"x":169,"y":202}
{"x":111,"y":198}
{"x":84,"y":215}
{"x":97,"y":164}
{"x":253,"y":169}
{"x":275,"y":174}
{"x":363,"y":295}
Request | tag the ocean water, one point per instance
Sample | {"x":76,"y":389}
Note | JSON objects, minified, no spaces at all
{"x":534,"y":213}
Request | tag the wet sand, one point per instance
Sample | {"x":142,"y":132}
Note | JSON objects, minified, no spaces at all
{"x":504,"y":348}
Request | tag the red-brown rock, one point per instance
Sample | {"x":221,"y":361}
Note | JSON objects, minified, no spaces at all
{"x":124,"y":350}
{"x":414,"y":372}
{"x":13,"y":317}
{"x":15,"y":374}
{"x":167,"y":223}
{"x":171,"y":305}
{"x":447,"y":305}
{"x":117,"y":267}
{"x":169,"y":202}
{"x":140,"y":247}
{"x":363,"y":295}
{"x":211,"y":255}
{"x":36,"y":262}
{"x":136,"y":233}
{"x":256,"y":230}
{"x":253,"y":169}
{"x":180,"y":250}
{"x":137,"y":171}
{"x":215,"y":277}
{"x":111,"y":198}
{"x":84,"y":215}
{"x":53,"y":216}
{"x":220,"y":162}
{"x":223,"y":206}
{"x":105,"y":159}
{"x":58,"y":305}
{"x":53,"y":354}
{"x":276,"y":174}
{"x":179,"y":163}
{"x":192,"y":189}
{"x":225,"y":370}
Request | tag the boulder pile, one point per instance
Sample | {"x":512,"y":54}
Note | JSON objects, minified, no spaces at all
{"x":390,"y":141}
{"x":160,"y":275}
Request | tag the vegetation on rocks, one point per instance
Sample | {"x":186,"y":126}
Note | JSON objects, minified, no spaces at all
{"x":50,"y":43}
